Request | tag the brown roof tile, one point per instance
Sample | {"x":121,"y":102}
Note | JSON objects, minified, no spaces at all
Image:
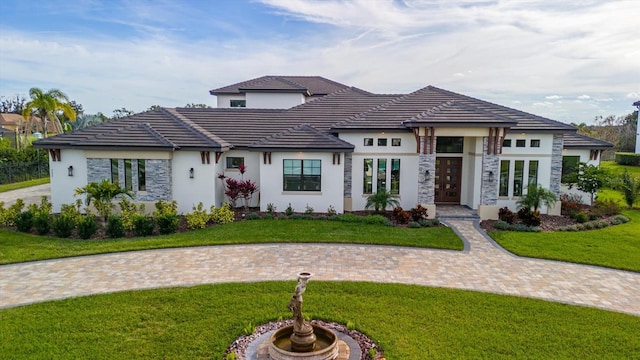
{"x":302,"y":137}
{"x":309,"y":85}
{"x":578,"y":141}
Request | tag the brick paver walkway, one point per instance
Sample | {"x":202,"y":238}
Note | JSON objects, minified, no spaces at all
{"x":484,"y":267}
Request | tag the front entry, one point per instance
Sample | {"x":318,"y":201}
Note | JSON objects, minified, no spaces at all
{"x":448,"y":180}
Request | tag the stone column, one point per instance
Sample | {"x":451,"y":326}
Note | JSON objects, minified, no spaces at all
{"x":556,"y":172}
{"x":348,"y":181}
{"x":426,"y":183}
{"x":488,"y":208}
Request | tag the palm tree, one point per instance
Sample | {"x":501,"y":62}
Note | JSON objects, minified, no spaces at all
{"x":536,"y":196}
{"x":102,"y":194}
{"x":381,"y":200}
{"x":46,"y":105}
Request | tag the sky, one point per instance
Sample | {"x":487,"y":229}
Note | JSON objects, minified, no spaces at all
{"x":569,"y":60}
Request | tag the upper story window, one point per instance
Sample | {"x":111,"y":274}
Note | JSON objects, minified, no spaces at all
{"x":368,"y":141}
{"x":449,"y":144}
{"x":521,"y":143}
{"x":238,"y":103}
{"x":302,"y":175}
{"x":506,"y":143}
{"x":535,"y":143}
{"x":234,"y":162}
{"x":395,"y":142}
{"x":382,"y":142}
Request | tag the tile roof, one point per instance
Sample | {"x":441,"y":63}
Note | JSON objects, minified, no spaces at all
{"x":311,"y":125}
{"x":309,"y":85}
{"x":578,"y":141}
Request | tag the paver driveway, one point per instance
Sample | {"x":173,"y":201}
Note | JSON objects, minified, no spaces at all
{"x":485,"y":267}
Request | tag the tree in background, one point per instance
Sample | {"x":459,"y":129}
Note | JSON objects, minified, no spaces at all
{"x":122,"y":112}
{"x":12,"y":105}
{"x":620,"y":131}
{"x":47,"y":105}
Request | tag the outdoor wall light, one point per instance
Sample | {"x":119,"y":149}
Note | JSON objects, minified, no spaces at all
{"x":70,"y":170}
{"x":491,"y":176}
{"x":191,"y":173}
{"x":426,"y":174}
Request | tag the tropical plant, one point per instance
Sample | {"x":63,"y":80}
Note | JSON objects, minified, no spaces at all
{"x":536,"y":196}
{"x":381,"y":200}
{"x":102,"y":195}
{"x":47,"y":105}
{"x":630,"y":188}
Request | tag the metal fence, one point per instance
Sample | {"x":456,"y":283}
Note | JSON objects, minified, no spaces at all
{"x":24,"y":171}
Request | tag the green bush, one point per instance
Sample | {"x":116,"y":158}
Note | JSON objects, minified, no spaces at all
{"x":72,"y":211}
{"x":289,"y":210}
{"x":115,"y":228}
{"x":142,"y":225}
{"x":414,"y":225}
{"x":63,"y":225}
{"x":128,"y":211}
{"x":24,"y":221}
{"x":223,"y":214}
{"x":8,"y":215}
{"x":252,"y":216}
{"x":87,"y":226}
{"x":628,"y":159}
{"x":347,"y":217}
{"x":331,"y":211}
{"x":42,"y":223}
{"x":619,"y":219}
{"x":607,"y":207}
{"x":197,"y":219}
{"x":296,"y":217}
{"x":581,"y":217}
{"x":502,"y":225}
{"x":166,"y":216}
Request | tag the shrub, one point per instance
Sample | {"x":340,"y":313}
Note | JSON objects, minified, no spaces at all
{"x":268,"y":216}
{"x":42,"y":223}
{"x":166,"y":216}
{"x":114,"y":229}
{"x":529,"y":218}
{"x":381,"y":200}
{"x":619,"y":219}
{"x":143,"y":225}
{"x":197,"y":219}
{"x":289,"y":210}
{"x":308,"y":210}
{"x":419,"y":213}
{"x":128,"y":211}
{"x":296,"y":217}
{"x":628,"y":159}
{"x":570,"y":204}
{"x":580,"y":227}
{"x":63,"y":225}
{"x":600,"y":224}
{"x":375,"y":219}
{"x":102,"y":194}
{"x":581,"y":217}
{"x":87,"y":226}
{"x":630,"y":187}
{"x":223,"y":214}
{"x":589,"y":225}
{"x":506,"y":215}
{"x":71,"y":211}
{"x":603,"y":208}
{"x":414,"y":225}
{"x":348,"y":217}
{"x":252,"y":216}
{"x":8,"y":215}
{"x":537,"y":196}
{"x":502,"y":225}
{"x":271,"y":209}
{"x":331,"y":211}
{"x":400,"y":215}
{"x":24,"y":221}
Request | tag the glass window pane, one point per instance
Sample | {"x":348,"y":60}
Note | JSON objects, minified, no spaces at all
{"x":518,"y":177}
{"x":395,"y":176}
{"x":382,"y":174}
{"x":382,"y":142}
{"x":395,"y":142}
{"x":114,"y":171}
{"x":234,"y":162}
{"x":142,"y":175}
{"x":368,"y":177}
{"x":368,"y":141}
{"x":569,"y":168}
{"x":449,"y":144}
{"x":128,"y":175}
{"x":533,"y":172}
{"x":504,"y":178}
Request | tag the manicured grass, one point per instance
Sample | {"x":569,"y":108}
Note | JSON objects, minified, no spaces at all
{"x":614,"y":167}
{"x":408,"y":322}
{"x":18,"y":247}
{"x":23,"y":184}
{"x":616,"y":246}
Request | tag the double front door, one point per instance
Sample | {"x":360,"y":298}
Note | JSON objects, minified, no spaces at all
{"x":448,"y":180}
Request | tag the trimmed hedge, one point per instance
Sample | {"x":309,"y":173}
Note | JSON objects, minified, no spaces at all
{"x":628,"y":159}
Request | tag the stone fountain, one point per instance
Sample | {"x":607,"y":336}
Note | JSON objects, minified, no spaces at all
{"x":302,"y":340}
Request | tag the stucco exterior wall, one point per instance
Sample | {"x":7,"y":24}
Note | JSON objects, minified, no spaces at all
{"x":252,"y":162}
{"x":332,"y":186}
{"x":224,"y":101}
{"x":273,"y":100}
{"x":63,"y":186}
{"x":189,"y":192}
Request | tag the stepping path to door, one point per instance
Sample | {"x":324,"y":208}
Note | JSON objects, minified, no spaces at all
{"x":484,"y":267}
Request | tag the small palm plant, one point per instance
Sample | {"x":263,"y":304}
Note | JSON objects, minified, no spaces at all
{"x":381,"y":200}
{"x":102,"y":194}
{"x":537,"y":196}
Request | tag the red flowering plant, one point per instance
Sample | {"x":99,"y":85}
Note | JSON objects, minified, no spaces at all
{"x":239,"y":188}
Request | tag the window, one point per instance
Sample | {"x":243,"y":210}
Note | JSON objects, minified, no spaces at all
{"x":368,"y":141}
{"x":234,"y":162}
{"x":521,"y":143}
{"x":504,"y":178}
{"x":395,"y":176}
{"x":569,"y":168}
{"x":238,"y":103}
{"x":128,"y":175}
{"x":449,"y":145}
{"x":506,"y":143}
{"x":142,"y":175}
{"x":302,"y":175}
{"x":533,"y":172}
{"x":395,"y":142}
{"x":367,"y":187}
{"x":382,"y":142}
{"x":518,"y":177}
{"x":114,"y":171}
{"x":382,"y":174}
{"x":535,"y":143}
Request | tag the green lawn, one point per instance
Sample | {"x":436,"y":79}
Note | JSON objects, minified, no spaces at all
{"x":408,"y":322}
{"x":613,"y":167}
{"x":19,"y":247}
{"x":23,"y":184}
{"x":616,"y":246}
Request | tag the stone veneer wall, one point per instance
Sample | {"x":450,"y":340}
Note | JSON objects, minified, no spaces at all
{"x":556,"y":164}
{"x":348,"y":174}
{"x":489,"y":188}
{"x":158,"y":176}
{"x":426,"y":184}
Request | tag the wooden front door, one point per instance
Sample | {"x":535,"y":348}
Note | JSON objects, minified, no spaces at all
{"x":448,"y":180}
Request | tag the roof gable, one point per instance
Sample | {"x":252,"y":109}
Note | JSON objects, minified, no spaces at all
{"x":308,"y":85}
{"x":302,"y":137}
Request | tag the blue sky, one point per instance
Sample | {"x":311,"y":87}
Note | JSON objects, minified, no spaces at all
{"x":568,"y":60}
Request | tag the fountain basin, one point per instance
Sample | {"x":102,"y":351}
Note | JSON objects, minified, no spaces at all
{"x":280,"y":347}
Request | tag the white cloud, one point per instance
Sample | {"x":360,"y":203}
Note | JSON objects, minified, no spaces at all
{"x":553,"y":97}
{"x":584,"y":97}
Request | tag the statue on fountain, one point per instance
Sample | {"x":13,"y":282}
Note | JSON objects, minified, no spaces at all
{"x":303,"y":338}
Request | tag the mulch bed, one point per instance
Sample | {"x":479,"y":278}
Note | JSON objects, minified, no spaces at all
{"x":549,"y":222}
